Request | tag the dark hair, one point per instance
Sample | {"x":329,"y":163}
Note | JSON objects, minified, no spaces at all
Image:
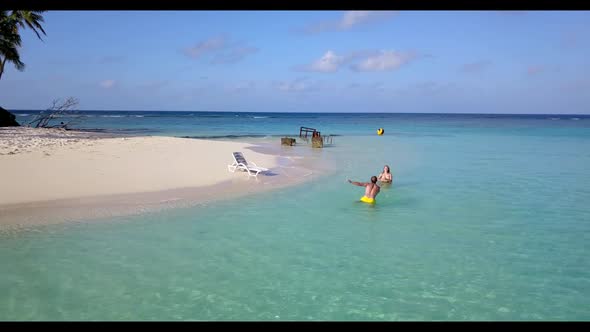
{"x":374,"y":179}
{"x":388,"y":168}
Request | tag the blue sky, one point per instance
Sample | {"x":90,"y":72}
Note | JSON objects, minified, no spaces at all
{"x":308,"y":61}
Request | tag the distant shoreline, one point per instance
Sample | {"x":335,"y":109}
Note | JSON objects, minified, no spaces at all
{"x":322,"y":113}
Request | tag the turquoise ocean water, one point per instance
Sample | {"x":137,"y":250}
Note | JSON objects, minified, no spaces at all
{"x":487,"y":219}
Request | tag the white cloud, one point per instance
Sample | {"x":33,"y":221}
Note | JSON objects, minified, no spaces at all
{"x":328,"y":63}
{"x":349,"y":20}
{"x":107,"y":84}
{"x":354,"y":17}
{"x":221,"y":50}
{"x":366,"y":60}
{"x":206,"y":46}
{"x":383,"y":61}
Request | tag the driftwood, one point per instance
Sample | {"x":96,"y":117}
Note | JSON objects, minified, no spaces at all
{"x":57,"y":109}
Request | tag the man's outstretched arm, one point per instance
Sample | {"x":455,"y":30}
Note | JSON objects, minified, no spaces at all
{"x":360,"y":184}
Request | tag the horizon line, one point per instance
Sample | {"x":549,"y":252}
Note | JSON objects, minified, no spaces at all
{"x":286,"y":112}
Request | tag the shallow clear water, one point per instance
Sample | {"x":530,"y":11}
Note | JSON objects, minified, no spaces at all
{"x":487,"y":219}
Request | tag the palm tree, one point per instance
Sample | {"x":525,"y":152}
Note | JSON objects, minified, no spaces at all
{"x":31,"y":19}
{"x":10,"y":40}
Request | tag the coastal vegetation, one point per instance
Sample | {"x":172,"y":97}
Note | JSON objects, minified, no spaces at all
{"x":11,"y":24}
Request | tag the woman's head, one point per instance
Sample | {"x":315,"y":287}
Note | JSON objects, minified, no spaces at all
{"x":386,"y":169}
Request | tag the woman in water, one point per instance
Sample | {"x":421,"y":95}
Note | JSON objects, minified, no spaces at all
{"x":386,"y":176}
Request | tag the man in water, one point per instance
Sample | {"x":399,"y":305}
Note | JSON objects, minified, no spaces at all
{"x":371,"y":189}
{"x":385,"y":176}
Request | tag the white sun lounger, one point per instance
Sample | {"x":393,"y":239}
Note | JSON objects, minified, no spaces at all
{"x":241,"y":164}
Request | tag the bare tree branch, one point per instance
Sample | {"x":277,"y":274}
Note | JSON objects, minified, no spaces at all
{"x":57,"y":109}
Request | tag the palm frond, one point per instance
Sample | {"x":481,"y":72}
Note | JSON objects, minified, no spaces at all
{"x":30,"y":19}
{"x":10,"y":39}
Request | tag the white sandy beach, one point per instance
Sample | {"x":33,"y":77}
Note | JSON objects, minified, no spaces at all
{"x":52,"y":168}
{"x":48,"y":169}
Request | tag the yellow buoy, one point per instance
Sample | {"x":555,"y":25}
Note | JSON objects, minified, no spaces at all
{"x":380,"y":131}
